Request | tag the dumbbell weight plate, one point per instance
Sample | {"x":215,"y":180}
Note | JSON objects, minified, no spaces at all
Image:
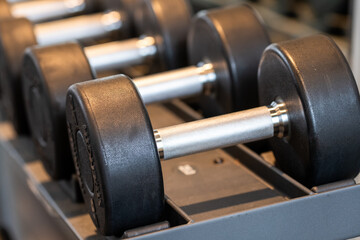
{"x":115,"y":172}
{"x":128,"y":6}
{"x":59,"y":65}
{"x":4,"y":9}
{"x":323,"y":130}
{"x":235,"y":51}
{"x":19,"y":35}
{"x":167,"y":31}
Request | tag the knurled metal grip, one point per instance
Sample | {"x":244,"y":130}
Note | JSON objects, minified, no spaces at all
{"x":222,"y":131}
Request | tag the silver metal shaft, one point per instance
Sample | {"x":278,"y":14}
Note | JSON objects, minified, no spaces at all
{"x":44,"y":10}
{"x":181,"y":83}
{"x":78,"y":28}
{"x":120,"y":54}
{"x":222,"y":131}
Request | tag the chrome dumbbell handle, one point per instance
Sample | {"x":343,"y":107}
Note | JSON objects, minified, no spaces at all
{"x":120,"y":54}
{"x":181,"y":83}
{"x":43,"y":10}
{"x":78,"y":28}
{"x":223,"y":131}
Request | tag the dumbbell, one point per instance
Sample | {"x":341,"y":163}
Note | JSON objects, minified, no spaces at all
{"x":224,"y":57}
{"x":18,"y":34}
{"x":45,"y":10}
{"x":311,"y":115}
{"x":49,"y":71}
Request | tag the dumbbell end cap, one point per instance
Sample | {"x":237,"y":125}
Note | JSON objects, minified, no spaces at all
{"x":115,"y":154}
{"x":313,"y":78}
{"x":48,"y":71}
{"x":16,"y":34}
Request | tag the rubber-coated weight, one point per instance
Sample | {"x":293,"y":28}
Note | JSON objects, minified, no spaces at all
{"x":11,"y":53}
{"x":47,"y":74}
{"x":234,"y":50}
{"x":122,"y":182}
{"x":319,"y":89}
{"x":168,"y":22}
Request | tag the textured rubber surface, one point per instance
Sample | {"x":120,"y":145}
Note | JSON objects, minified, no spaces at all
{"x":12,"y":48}
{"x":313,"y":78}
{"x":48,"y":73}
{"x":233,"y":40}
{"x":115,"y":154}
{"x":167,"y":21}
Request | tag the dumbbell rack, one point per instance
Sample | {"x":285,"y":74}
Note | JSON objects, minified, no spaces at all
{"x":221,"y":194}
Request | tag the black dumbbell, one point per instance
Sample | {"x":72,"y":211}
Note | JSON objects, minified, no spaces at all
{"x":18,"y":34}
{"x":225,"y":58}
{"x":312,"y":122}
{"x":40,"y":10}
{"x":49,"y":71}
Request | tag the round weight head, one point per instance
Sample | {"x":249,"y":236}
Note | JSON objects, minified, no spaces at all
{"x":314,"y":80}
{"x":115,"y":154}
{"x":4,"y":9}
{"x":47,"y":74}
{"x":168,"y":22}
{"x":232,"y":39}
{"x":127,"y":7}
{"x":15,"y":36}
